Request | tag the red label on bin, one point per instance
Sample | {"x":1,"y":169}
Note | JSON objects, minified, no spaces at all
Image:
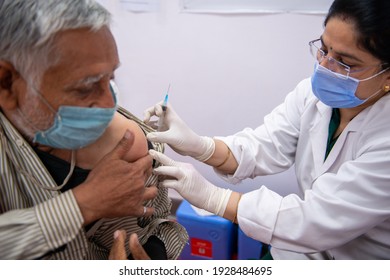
{"x":201,"y":247}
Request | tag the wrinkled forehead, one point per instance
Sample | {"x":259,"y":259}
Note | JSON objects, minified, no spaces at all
{"x":83,"y":56}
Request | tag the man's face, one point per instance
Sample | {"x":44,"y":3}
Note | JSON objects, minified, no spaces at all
{"x":87,"y":61}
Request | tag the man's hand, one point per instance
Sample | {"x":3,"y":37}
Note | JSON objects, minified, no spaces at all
{"x":115,"y":187}
{"x":118,"y":250}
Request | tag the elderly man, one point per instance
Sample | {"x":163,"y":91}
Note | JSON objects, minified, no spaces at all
{"x":74,"y":166}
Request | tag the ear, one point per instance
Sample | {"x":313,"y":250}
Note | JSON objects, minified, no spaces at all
{"x":8,"y":76}
{"x":386,"y":86}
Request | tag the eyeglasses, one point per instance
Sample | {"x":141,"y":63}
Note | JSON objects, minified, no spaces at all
{"x":333,"y":64}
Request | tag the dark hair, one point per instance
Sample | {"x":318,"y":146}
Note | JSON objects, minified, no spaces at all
{"x":372,"y":20}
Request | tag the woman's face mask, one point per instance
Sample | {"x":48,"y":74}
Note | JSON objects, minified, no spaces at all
{"x":337,"y":90}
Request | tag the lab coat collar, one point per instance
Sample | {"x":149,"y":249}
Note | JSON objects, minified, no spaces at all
{"x":319,"y":134}
{"x":320,"y":129}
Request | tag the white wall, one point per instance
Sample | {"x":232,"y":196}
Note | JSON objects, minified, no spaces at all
{"x":226,"y":71}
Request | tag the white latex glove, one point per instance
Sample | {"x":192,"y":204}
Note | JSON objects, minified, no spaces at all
{"x":187,"y":181}
{"x":178,"y":135}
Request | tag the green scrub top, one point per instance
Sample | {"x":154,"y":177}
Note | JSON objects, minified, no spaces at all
{"x":333,"y":125}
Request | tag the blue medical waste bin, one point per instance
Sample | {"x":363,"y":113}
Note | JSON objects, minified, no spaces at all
{"x":248,"y":248}
{"x":210,"y":237}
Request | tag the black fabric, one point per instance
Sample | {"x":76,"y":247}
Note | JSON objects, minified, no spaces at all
{"x":59,"y":169}
{"x":150,"y":147}
{"x":266,"y":252}
{"x":155,"y":249}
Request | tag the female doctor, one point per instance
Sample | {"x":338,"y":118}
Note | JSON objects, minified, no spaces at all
{"x":334,"y":127}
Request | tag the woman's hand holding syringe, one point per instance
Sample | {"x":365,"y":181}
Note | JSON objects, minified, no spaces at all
{"x":172,"y":130}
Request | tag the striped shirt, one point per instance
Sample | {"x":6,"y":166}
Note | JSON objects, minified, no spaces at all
{"x":40,"y":222}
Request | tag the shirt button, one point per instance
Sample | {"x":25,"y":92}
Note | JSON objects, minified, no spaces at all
{"x":19,"y":142}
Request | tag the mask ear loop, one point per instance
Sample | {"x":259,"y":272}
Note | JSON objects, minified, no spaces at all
{"x":376,"y":75}
{"x":27,"y":120}
{"x":386,"y":88}
{"x":48,"y":106}
{"x":46,"y":103}
{"x":31,"y":177}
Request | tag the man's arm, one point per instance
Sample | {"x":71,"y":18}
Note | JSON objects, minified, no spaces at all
{"x":33,"y":232}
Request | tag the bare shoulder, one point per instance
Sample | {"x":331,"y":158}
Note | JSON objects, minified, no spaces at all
{"x":89,"y":156}
{"x":117,"y":129}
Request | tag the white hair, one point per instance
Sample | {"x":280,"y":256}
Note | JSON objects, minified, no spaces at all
{"x":28,"y":28}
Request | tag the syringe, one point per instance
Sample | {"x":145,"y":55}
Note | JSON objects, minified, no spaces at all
{"x":160,"y":123}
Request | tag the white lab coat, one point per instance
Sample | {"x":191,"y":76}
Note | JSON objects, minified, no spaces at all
{"x":344,"y":209}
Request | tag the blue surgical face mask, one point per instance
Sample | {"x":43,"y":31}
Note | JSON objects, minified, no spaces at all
{"x":77,"y":127}
{"x":337,"y":90}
